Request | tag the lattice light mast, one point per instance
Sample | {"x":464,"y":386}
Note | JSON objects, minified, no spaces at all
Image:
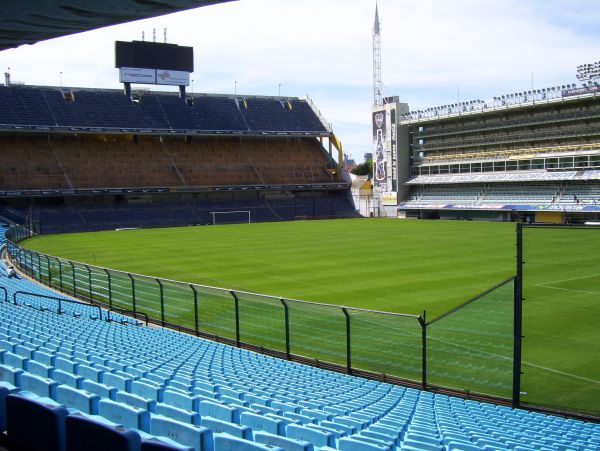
{"x":377,"y":84}
{"x":589,"y":72}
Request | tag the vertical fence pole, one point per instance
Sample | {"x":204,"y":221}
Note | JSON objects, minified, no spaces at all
{"x":109,"y":288}
{"x":423,"y":323}
{"x":60,"y":275}
{"x":89,"y":280}
{"x":518,"y":319}
{"x":348,"y":342}
{"x":31,"y":268}
{"x":74,"y":284}
{"x":195,"y":309}
{"x":132,"y":293}
{"x":49,"y":272}
{"x":28,"y":264}
{"x":162,"y":302}
{"x":286,"y":315}
{"x":237,"y":317}
{"x":39,"y":259}
{"x":25,"y":264}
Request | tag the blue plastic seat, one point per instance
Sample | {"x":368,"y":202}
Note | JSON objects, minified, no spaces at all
{"x":258,"y":422}
{"x":225,"y":442}
{"x":39,"y":369}
{"x":129,"y":416}
{"x":81,"y":400}
{"x":135,"y":401}
{"x":163,"y":444}
{"x":62,"y":377}
{"x":10,"y":374}
{"x":49,"y":423}
{"x":181,"y":400}
{"x":219,"y":411}
{"x":14,"y":360}
{"x":90,"y":373}
{"x":147,"y":390}
{"x":289,"y":444}
{"x":115,"y":380}
{"x":185,"y":416}
{"x":85,"y":433}
{"x":198,"y":437}
{"x":101,"y":390}
{"x":41,"y":386}
{"x":5,"y":390}
{"x":352,"y":444}
{"x":218,"y":427}
{"x":316,"y":437}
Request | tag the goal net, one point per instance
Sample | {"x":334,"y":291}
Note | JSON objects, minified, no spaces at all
{"x":231,"y":217}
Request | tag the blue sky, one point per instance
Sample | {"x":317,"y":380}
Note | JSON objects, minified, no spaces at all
{"x":323,"y":48}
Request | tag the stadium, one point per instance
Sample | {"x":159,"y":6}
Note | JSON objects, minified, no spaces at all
{"x":179,"y":269}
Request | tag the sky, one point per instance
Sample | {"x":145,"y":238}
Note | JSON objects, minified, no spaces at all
{"x":434,"y":52}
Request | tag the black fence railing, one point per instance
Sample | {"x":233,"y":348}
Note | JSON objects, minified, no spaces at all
{"x":560,"y":356}
{"x":474,"y":350}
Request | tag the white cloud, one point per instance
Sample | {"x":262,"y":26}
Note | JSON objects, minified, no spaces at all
{"x":323,"y":48}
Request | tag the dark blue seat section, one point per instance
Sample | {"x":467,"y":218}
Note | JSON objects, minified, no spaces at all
{"x":35,"y":423}
{"x":86,"y":434}
{"x":111,"y":109}
{"x":176,"y":213}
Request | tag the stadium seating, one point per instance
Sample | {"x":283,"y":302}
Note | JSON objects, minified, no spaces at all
{"x":134,"y":387}
{"x":92,"y":217}
{"x":46,"y":107}
{"x":65,"y":162}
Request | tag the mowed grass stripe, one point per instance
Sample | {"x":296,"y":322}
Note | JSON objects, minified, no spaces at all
{"x":382,"y":264}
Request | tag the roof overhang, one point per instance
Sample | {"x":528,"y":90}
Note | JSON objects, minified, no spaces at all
{"x":31,"y":21}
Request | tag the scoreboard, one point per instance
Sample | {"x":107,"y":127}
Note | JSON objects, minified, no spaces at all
{"x":154,"y":63}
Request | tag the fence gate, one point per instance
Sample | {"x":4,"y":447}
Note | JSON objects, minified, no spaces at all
{"x":561,"y":318}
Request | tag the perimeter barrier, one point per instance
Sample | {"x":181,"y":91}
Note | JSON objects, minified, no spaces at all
{"x":476,"y":350}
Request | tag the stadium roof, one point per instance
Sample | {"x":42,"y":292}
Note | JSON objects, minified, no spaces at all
{"x":31,"y":21}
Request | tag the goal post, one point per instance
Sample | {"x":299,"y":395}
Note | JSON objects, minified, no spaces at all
{"x":231,"y":217}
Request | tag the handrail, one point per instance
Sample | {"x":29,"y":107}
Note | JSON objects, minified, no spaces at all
{"x":55,"y":298}
{"x":127,"y":312}
{"x":227,"y":291}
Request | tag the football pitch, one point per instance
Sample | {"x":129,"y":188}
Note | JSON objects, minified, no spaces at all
{"x":382,"y":264}
{"x":386,"y":265}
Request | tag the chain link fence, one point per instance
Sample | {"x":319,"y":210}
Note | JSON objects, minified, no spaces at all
{"x":531,"y":340}
{"x":561,"y":318}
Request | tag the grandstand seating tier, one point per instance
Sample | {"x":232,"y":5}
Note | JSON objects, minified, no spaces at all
{"x":258,"y":400}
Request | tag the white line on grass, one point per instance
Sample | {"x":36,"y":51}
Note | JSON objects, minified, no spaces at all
{"x":523,"y":361}
{"x":550,"y":287}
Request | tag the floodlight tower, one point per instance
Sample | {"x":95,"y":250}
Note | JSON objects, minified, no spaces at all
{"x":377,"y":84}
{"x":589,"y":72}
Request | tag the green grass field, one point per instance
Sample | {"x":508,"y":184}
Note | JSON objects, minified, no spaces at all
{"x":390,"y":265}
{"x":380,"y":264}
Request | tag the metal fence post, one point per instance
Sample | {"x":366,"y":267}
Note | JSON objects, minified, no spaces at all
{"x":132,"y":293}
{"x":237,"y":317}
{"x":74,"y":284}
{"x":27,"y":265}
{"x":162,"y":302}
{"x":39,"y":259}
{"x":60,"y":275}
{"x":31,"y":268}
{"x":518,"y":319}
{"x":195,"y":308}
{"x":286,"y":314}
{"x":109,"y":288}
{"x":89,"y":280}
{"x":423,"y":323}
{"x":49,"y":271}
{"x":348,"y":342}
